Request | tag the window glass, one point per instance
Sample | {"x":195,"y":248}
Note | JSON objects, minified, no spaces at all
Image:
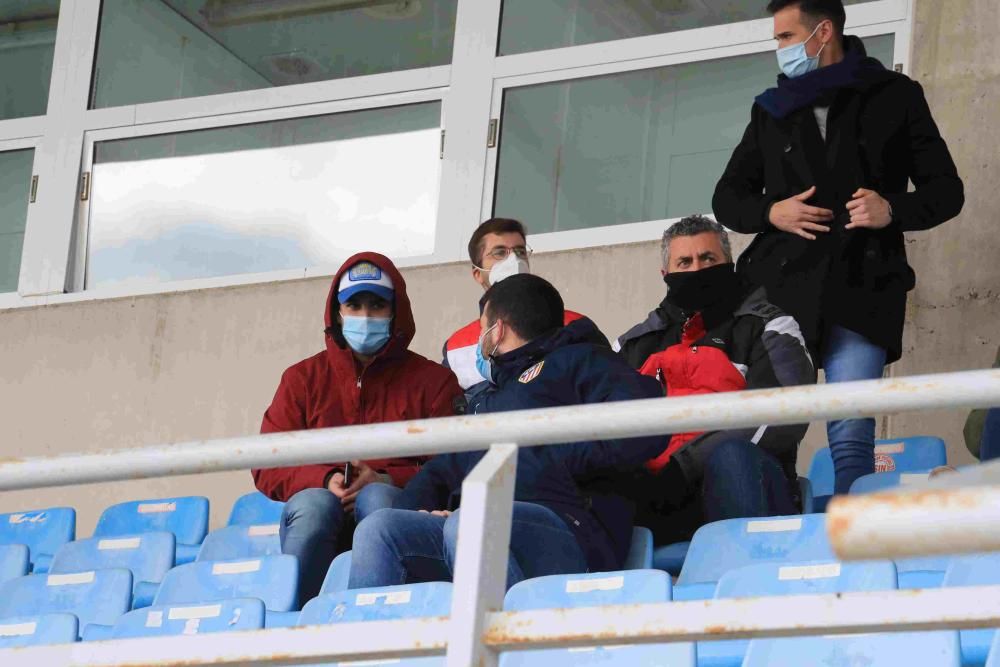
{"x":151,"y":50}
{"x":282,"y":195}
{"x":27,"y":42}
{"x":15,"y":185}
{"x":630,"y":147}
{"x":530,"y":25}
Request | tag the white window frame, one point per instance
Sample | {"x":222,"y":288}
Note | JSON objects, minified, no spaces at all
{"x":470,"y":90}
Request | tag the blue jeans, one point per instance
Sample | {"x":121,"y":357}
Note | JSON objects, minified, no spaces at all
{"x":394,"y":547}
{"x":742,"y":480}
{"x":989,"y":448}
{"x":848,"y":356}
{"x":311,"y":525}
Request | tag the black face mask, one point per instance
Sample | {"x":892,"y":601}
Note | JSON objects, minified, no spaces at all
{"x":694,"y":291}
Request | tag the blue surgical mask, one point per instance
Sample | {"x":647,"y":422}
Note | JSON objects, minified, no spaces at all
{"x":484,"y":365}
{"x":794,"y":61}
{"x":366,"y":335}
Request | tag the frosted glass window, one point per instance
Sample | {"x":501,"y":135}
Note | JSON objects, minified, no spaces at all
{"x":642,"y":145}
{"x":264,"y":197}
{"x":533,"y":25}
{"x":15,"y":185}
{"x":27,"y":42}
{"x":152,"y":50}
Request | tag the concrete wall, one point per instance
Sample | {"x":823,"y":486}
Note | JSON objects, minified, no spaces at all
{"x":171,"y":368}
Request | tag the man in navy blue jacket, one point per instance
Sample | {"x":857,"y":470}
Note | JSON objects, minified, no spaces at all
{"x":570,"y":512}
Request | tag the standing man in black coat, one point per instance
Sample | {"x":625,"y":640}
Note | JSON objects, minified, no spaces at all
{"x":821,"y":178}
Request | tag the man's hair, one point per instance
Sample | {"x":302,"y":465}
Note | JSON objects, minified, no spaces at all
{"x":692,"y":226}
{"x":817,"y":10}
{"x":492,"y":226}
{"x":528,"y":304}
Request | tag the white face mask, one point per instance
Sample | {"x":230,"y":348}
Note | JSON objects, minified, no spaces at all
{"x":511,"y":266}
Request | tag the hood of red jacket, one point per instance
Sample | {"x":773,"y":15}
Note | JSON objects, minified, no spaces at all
{"x":403,"y":326}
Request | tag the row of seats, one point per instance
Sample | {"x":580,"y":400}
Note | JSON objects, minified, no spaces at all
{"x":589,"y":590}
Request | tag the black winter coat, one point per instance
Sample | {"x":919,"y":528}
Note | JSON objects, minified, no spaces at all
{"x":880,"y":136}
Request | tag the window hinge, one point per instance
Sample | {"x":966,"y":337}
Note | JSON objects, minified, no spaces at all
{"x":899,"y":68}
{"x":85,"y":187}
{"x":442,"y":144}
{"x":34,"y":190}
{"x":491,"y":137}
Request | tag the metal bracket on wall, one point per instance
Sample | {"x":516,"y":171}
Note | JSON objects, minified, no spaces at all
{"x":442,"y":143}
{"x":898,"y":68}
{"x":34,"y":190}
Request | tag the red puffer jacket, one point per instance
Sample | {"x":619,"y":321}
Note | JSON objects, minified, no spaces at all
{"x":331,"y":389}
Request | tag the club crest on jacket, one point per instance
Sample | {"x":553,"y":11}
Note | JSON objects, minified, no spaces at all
{"x":530,"y":374}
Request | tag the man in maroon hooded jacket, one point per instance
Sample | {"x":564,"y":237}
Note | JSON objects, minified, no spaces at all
{"x":366,"y":375}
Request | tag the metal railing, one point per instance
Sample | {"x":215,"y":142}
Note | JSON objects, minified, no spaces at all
{"x":957,"y":514}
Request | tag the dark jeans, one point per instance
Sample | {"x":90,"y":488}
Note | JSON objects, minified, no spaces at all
{"x":741,"y":480}
{"x":393,"y":547}
{"x":989,"y":448}
{"x":314,"y":528}
{"x":848,"y":356}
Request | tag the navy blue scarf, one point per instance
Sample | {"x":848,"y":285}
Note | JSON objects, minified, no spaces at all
{"x":805,"y":91}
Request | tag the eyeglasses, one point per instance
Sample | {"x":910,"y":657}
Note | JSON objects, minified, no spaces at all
{"x":500,"y":253}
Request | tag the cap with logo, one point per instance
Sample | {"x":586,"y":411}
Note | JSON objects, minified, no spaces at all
{"x":365,"y":277}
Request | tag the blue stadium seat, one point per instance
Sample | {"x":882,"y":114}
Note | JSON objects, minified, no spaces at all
{"x":922,"y":572}
{"x":231,"y":615}
{"x":242,"y":541}
{"x":907,"y":455}
{"x":670,"y":557}
{"x":38,"y":630}
{"x":42,"y":531}
{"x":979,"y":570}
{"x":147,"y":555}
{"x":339,"y":574}
{"x":882,"y":481}
{"x":186,"y":518}
{"x":379,"y":604}
{"x":640,"y":553}
{"x":994,"y":660}
{"x":255,"y":509}
{"x":13,"y":562}
{"x":591,"y":590}
{"x":722,"y":546}
{"x":777,"y":579}
{"x":272,"y":579}
{"x":926,"y":649}
{"x":94,"y":597}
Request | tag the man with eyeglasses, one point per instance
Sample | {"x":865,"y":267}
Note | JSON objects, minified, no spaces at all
{"x":498,"y":249}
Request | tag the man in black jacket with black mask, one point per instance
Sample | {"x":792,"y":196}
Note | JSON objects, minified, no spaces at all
{"x":821,"y":177}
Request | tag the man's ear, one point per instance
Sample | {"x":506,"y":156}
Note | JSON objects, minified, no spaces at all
{"x":663,"y":273}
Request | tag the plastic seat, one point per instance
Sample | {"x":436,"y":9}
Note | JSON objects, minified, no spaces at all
{"x":255,"y":509}
{"x":38,"y":630}
{"x":147,"y":556}
{"x":42,"y":531}
{"x":590,"y":590}
{"x":923,"y":572}
{"x":271,"y":579}
{"x":926,"y":649}
{"x":379,"y":604}
{"x":980,"y":570}
{"x":726,"y":545}
{"x":670,"y":557}
{"x":882,"y":481}
{"x":777,"y":579}
{"x":14,"y":562}
{"x":640,"y":553}
{"x":338,"y":576}
{"x":95,"y":597}
{"x":185,"y":517}
{"x":994,"y":659}
{"x":241,"y":541}
{"x":223,"y":616}
{"x":902,"y":454}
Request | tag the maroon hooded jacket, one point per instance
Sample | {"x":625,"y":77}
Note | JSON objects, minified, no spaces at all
{"x":332,"y":389}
